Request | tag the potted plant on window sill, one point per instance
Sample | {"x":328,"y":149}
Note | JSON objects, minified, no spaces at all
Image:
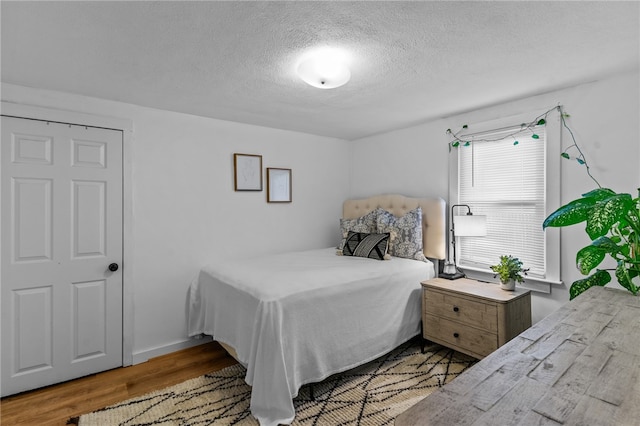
{"x":510,"y":271}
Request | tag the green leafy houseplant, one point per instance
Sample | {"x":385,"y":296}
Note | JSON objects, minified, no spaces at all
{"x":613,"y":224}
{"x":509,"y":268}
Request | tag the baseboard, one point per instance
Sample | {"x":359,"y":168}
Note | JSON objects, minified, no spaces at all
{"x":144,"y":356}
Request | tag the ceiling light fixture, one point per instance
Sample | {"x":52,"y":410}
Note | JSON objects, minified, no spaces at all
{"x":324,"y":69}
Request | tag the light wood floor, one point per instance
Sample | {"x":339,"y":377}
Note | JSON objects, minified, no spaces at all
{"x":54,"y":405}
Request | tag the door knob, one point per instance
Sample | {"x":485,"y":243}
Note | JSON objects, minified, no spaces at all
{"x":113,"y":267}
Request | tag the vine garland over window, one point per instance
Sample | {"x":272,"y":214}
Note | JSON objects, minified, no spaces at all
{"x":540,"y":120}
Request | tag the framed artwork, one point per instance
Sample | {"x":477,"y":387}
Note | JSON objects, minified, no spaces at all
{"x":278,"y":185}
{"x":247,"y":172}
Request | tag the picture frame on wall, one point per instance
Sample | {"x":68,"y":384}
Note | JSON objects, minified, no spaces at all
{"x":278,"y":185}
{"x":247,"y":172}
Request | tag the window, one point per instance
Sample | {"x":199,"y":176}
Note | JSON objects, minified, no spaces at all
{"x":505,"y":174}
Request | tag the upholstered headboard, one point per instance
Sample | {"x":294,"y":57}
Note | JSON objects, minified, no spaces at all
{"x":433,"y":217}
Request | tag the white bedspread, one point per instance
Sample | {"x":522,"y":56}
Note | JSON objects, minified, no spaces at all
{"x":299,"y":317}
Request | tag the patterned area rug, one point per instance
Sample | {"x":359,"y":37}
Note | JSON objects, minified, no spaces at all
{"x":373,"y":394}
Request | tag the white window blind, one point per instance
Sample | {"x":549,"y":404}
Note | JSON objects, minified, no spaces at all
{"x":505,"y":181}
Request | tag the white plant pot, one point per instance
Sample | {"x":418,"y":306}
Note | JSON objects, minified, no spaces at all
{"x":509,"y":285}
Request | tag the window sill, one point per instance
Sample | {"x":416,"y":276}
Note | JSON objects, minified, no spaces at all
{"x":539,"y":285}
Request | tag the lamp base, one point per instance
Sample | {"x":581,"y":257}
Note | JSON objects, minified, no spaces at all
{"x":454,"y":276}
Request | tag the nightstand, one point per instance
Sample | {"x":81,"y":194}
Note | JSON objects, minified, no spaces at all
{"x":473,"y":317}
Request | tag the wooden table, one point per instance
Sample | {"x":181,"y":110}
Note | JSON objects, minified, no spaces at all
{"x":579,"y":365}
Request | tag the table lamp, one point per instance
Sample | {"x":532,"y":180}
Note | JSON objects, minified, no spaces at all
{"x":469,"y":225}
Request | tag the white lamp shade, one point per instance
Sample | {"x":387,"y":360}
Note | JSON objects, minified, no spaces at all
{"x":470,"y":226}
{"x":326,"y":69}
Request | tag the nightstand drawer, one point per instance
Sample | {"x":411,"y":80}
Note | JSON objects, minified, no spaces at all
{"x":459,"y":336}
{"x":476,"y":313}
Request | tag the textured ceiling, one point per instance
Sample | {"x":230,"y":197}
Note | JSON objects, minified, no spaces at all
{"x":410,"y":61}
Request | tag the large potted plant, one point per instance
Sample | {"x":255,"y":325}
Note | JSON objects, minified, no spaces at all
{"x":510,"y":271}
{"x":613,"y":225}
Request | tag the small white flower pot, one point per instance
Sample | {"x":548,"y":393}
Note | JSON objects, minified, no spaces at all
{"x":509,"y":285}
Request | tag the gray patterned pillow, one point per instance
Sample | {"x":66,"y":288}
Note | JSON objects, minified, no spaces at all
{"x":366,"y":223}
{"x":406,"y":233}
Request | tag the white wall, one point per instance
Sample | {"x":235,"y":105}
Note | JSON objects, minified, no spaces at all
{"x":410,"y":161}
{"x":605,"y":118}
{"x":186,"y":213}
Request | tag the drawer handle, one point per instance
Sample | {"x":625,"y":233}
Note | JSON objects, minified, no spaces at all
{"x":456,"y":335}
{"x":456,"y":309}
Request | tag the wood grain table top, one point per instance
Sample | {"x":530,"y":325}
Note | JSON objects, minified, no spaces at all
{"x":578,"y":366}
{"x":483,"y":290}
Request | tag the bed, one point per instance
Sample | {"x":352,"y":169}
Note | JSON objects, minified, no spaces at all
{"x":297,"y":318}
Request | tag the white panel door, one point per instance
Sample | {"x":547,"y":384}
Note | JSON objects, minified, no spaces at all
{"x":61,"y":229}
